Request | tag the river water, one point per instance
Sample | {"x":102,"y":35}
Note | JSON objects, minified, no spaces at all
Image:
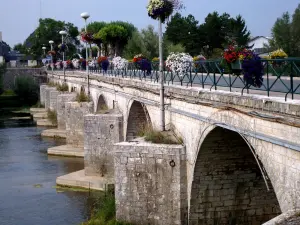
{"x":27,"y":180}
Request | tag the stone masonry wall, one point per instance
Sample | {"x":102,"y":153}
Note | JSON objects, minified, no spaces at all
{"x":101,"y":131}
{"x":43,"y":94}
{"x":75,"y":113}
{"x":228,"y":185}
{"x":53,"y":99}
{"x":47,"y":96}
{"x":61,"y":114}
{"x":148,"y":189}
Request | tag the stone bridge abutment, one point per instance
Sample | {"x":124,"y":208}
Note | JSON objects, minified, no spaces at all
{"x":240,"y":162}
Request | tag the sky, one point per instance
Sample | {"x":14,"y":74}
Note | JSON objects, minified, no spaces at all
{"x":19,"y":18}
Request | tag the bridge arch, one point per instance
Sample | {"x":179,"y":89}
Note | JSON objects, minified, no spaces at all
{"x":101,"y":104}
{"x":228,"y":186}
{"x":138,"y":118}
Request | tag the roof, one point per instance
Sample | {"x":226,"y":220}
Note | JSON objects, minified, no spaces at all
{"x":257,"y":37}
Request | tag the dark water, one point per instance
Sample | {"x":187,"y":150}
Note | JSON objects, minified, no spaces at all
{"x":24,"y":165}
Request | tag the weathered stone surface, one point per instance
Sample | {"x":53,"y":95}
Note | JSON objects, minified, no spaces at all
{"x":75,"y":112}
{"x":101,"y":131}
{"x":54,"y":133}
{"x":47,"y":96}
{"x":61,"y":116}
{"x":148,"y":189}
{"x":289,"y":218}
{"x":53,"y":100}
{"x":43,"y":94}
{"x":66,"y":150}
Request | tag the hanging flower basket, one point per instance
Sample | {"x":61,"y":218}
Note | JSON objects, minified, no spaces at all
{"x":236,"y":65}
{"x":142,"y":63}
{"x":52,"y":53}
{"x":62,"y":47}
{"x":160,"y":9}
{"x":253,"y":71}
{"x":87,"y":37}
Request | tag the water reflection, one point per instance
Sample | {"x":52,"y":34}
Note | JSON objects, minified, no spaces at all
{"x":27,"y":178}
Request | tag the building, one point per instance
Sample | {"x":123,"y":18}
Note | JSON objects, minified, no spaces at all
{"x":4,"y":49}
{"x":259,"y":44}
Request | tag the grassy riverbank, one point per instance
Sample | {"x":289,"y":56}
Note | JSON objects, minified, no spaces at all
{"x":104,"y":212}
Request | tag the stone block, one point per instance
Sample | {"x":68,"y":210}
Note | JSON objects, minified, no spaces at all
{"x":43,"y":93}
{"x":47,"y":96}
{"x":53,"y":100}
{"x":150,"y":190}
{"x":61,"y":116}
{"x":101,"y":131}
{"x":75,"y":112}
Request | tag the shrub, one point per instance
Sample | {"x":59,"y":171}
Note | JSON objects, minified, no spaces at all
{"x":51,"y":84}
{"x":27,"y":90}
{"x":62,"y":87}
{"x":157,"y":137}
{"x":52,"y":116}
{"x":82,"y":97}
{"x":8,"y":92}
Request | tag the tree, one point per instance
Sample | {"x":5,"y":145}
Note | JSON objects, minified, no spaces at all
{"x":295,"y":32}
{"x":48,"y":29}
{"x":134,"y":46}
{"x":237,"y":30}
{"x":20,"y":48}
{"x":281,"y":34}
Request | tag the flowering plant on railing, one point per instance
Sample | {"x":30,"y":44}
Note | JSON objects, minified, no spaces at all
{"x":278,"y":54}
{"x":58,"y":65}
{"x":103,"y":62}
{"x":119,"y":63}
{"x":198,"y":60}
{"x":179,"y":63}
{"x":162,"y":9}
{"x":253,"y":70}
{"x":138,"y":57}
{"x":82,"y":62}
{"x":155,"y":59}
{"x":91,"y":63}
{"x":142,"y":63}
{"x":75,"y":63}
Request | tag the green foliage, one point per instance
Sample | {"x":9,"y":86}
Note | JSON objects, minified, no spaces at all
{"x":51,"y":84}
{"x":62,"y":87}
{"x":286,"y":33}
{"x":27,"y":90}
{"x":135,"y":46}
{"x":52,"y":116}
{"x":156,"y":136}
{"x":82,"y":97}
{"x":105,"y":213}
{"x":8,"y":92}
{"x":21,"y":48}
{"x":95,"y":27}
{"x":48,"y":29}
{"x":215,"y":32}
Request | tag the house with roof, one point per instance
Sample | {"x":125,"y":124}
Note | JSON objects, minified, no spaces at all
{"x":258,"y":44}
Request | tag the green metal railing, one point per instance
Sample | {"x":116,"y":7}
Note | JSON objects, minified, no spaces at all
{"x":280,"y":76}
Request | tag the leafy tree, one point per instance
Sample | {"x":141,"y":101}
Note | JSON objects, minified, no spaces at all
{"x":48,"y":29}
{"x":95,"y":27}
{"x":150,"y":40}
{"x":295,"y":30}
{"x":238,"y":30}
{"x":20,"y":48}
{"x":281,"y":33}
{"x":134,"y":46}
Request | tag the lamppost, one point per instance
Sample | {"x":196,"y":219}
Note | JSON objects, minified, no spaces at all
{"x":161,"y":70}
{"x":44,"y":49}
{"x":85,"y":16}
{"x":62,"y":33}
{"x":51,"y":44}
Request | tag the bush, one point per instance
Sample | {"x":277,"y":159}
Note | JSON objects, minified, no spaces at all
{"x":51,"y":84}
{"x":82,"y":97}
{"x":9,"y":92}
{"x":52,"y":116}
{"x":62,"y":87}
{"x":158,"y":137}
{"x":105,"y":213}
{"x":27,"y":90}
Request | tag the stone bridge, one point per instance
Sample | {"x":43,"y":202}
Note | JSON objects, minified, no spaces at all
{"x":239,"y":162}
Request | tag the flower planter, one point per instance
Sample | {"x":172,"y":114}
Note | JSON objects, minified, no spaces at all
{"x":236,"y":65}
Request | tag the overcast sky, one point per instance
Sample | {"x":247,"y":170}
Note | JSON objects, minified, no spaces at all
{"x":18,"y":18}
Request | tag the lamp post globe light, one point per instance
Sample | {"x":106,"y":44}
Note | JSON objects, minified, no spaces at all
{"x":51,"y":45}
{"x":85,"y":16}
{"x":44,"y":49}
{"x":63,"y":33}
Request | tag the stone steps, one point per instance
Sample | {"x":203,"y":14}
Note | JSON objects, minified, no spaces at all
{"x":54,"y":133}
{"x":66,"y":150}
{"x":37,"y":110}
{"x":45,"y":123}
{"x":79,"y":179}
{"x":41,"y":115}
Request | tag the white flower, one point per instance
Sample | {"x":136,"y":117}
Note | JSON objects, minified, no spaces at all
{"x":57,"y":65}
{"x":179,"y":63}
{"x":75,"y":63}
{"x":92,"y":63}
{"x":65,"y":64}
{"x":119,"y":63}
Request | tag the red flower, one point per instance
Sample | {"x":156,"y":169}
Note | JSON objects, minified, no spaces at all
{"x":101,"y":59}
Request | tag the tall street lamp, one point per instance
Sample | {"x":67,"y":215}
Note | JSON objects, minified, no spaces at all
{"x":44,"y":50}
{"x":85,"y":16}
{"x":51,"y":44}
{"x":62,"y":33}
{"x":161,"y":70}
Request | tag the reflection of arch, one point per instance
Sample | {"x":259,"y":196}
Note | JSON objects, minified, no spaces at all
{"x":228,"y":186}
{"x":101,"y":105}
{"x":138,"y":118}
{"x":72,"y":89}
{"x":82,"y":89}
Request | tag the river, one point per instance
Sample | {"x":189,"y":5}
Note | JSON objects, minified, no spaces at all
{"x":27,"y":180}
